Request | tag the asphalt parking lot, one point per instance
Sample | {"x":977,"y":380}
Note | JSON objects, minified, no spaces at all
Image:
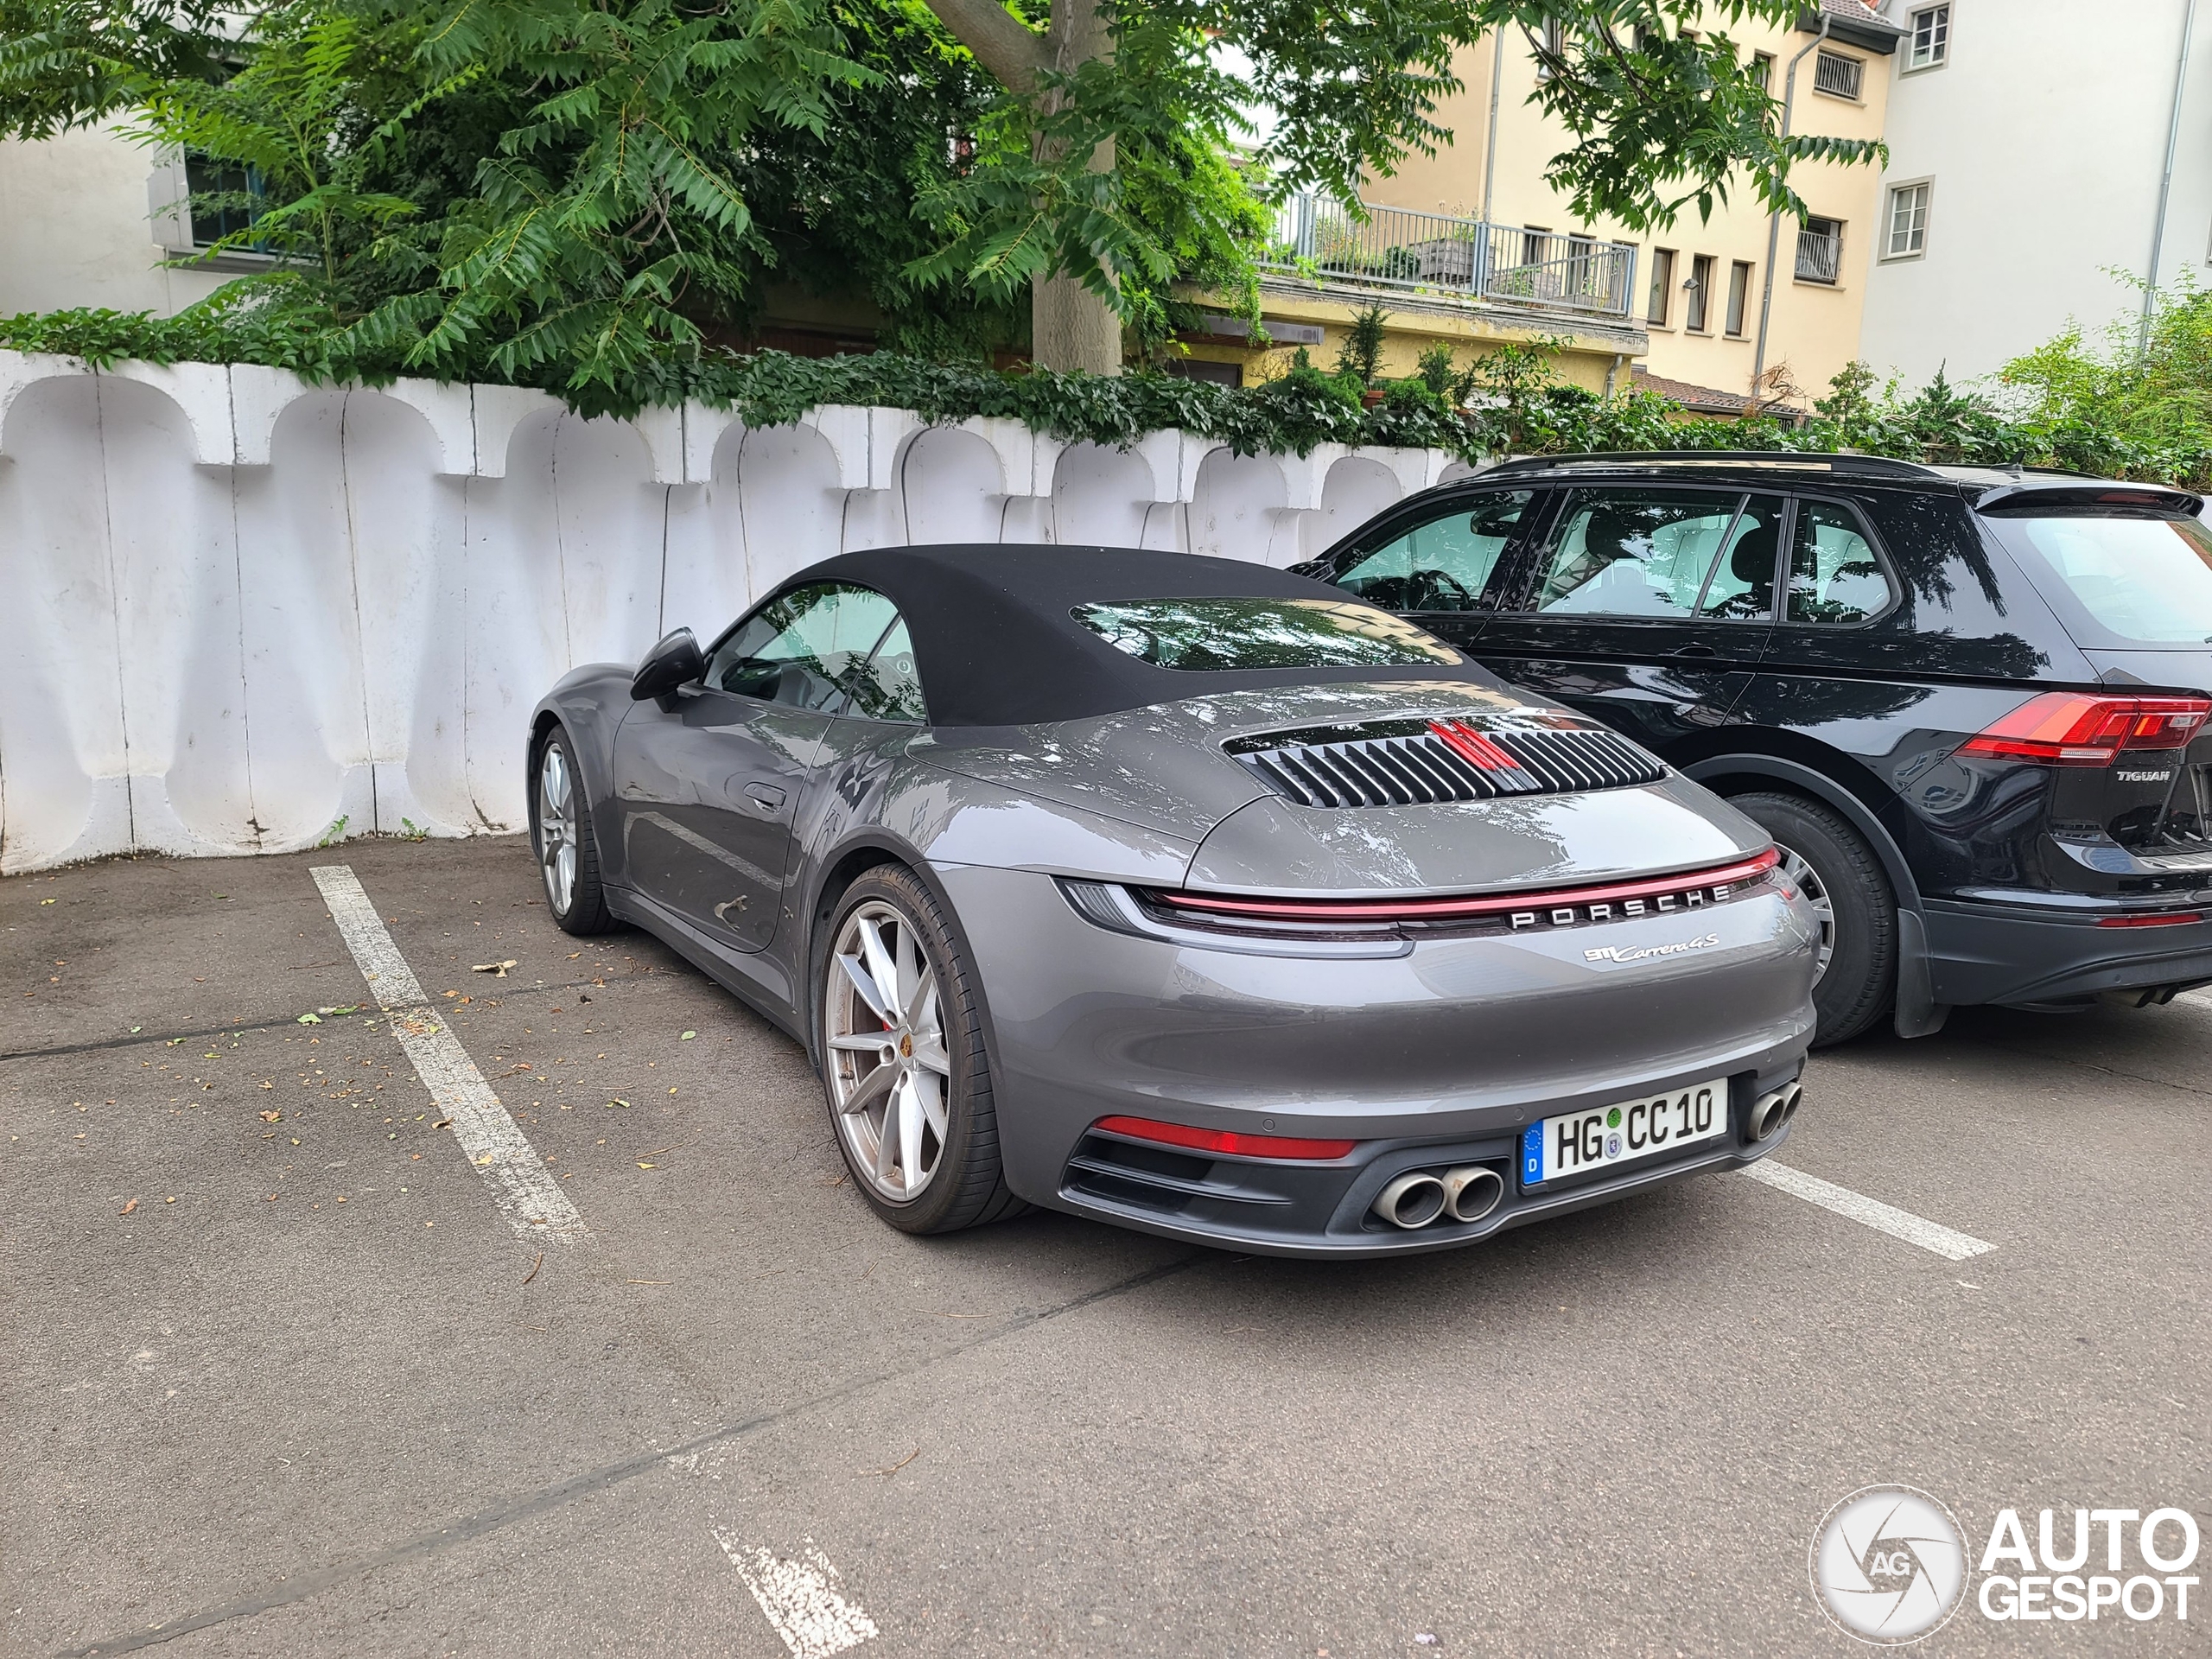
{"x":284,"y":1369}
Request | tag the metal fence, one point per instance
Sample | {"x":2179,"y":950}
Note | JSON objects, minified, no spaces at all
{"x":1820,"y":251}
{"x":1397,"y":247}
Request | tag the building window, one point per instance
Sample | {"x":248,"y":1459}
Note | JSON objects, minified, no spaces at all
{"x":1908,"y":221}
{"x":1701,"y":287}
{"x":1740,"y":289}
{"x":225,"y":197}
{"x":1929,"y":31}
{"x":1657,"y":307}
{"x":1554,"y":49}
{"x":1763,"y":70}
{"x":1837,"y":75}
{"x":1820,"y":250}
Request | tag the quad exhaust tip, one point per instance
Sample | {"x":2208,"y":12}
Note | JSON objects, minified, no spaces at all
{"x":1416,"y":1200}
{"x":1770,"y":1112}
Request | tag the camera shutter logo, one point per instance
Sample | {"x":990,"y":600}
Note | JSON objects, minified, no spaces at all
{"x":1889,"y":1565}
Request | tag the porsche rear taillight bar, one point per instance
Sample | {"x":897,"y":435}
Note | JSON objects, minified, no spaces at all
{"x":1722,"y":880}
{"x":2078,"y":729}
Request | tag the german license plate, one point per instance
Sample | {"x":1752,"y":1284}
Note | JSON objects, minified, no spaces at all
{"x":1606,"y":1137}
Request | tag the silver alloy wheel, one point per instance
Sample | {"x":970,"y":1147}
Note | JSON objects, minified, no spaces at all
{"x":890,"y":1078}
{"x":1808,"y":883}
{"x":556,"y":827}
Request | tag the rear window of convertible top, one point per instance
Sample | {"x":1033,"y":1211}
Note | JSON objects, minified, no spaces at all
{"x":1228,"y":633}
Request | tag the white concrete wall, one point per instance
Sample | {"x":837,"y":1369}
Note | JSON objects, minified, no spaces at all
{"x":2045,"y":137}
{"x":241,"y":607}
{"x":76,"y":229}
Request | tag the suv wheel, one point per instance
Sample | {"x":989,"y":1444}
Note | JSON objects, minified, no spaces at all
{"x":1850,"y":893}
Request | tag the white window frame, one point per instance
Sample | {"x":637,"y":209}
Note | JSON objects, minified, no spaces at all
{"x":1890,"y":254}
{"x":1906,"y":62}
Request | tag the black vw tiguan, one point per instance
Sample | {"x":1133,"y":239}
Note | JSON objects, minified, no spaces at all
{"x":1969,"y":705}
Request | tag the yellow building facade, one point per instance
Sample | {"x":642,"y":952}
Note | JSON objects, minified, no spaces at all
{"x":1699,"y":288}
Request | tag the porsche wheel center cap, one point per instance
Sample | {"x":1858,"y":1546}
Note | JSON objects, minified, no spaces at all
{"x":907,"y":1047}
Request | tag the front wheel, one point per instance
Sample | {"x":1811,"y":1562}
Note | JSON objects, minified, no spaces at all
{"x":1853,"y":902}
{"x":903,"y":1060}
{"x":561,"y":836}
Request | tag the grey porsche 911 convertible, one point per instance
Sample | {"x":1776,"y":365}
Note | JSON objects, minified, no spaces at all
{"x":1186,"y":895}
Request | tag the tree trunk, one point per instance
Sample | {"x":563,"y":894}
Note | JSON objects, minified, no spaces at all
{"x":1070,"y":327}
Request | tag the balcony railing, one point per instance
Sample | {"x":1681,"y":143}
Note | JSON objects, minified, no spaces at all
{"x":1396,"y":247}
{"x":1819,"y":254}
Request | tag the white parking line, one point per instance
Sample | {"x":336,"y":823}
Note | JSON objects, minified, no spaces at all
{"x":1872,"y":1212}
{"x":799,"y":1598}
{"x":522,"y":1187}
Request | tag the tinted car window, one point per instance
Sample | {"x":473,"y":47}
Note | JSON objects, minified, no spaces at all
{"x":802,"y":647}
{"x":1224,"y":633}
{"x":1670,"y":553}
{"x":2120,"y":582}
{"x":888,"y":687}
{"x":1834,"y":574}
{"x":1443,"y":564}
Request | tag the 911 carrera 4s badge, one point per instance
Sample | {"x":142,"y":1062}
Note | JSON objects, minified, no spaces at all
{"x":1638,"y":953}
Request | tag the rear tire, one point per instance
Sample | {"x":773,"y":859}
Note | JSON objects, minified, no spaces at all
{"x":1836,"y":868}
{"x":910,"y":1096}
{"x":561,"y":836}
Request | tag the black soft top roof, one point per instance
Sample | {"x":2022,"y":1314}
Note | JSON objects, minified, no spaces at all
{"x":996,"y":642}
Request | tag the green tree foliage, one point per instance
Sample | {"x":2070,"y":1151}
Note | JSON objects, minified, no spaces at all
{"x":575,"y":193}
{"x":2137,"y":405}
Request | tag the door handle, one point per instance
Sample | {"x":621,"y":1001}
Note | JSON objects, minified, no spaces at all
{"x":1695,"y":651}
{"x":766,"y":796}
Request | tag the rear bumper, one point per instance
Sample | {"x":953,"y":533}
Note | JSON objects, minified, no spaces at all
{"x":1987,"y":952}
{"x":1434,"y":1058}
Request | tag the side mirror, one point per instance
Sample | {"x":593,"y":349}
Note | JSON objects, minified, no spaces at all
{"x":675,"y":661}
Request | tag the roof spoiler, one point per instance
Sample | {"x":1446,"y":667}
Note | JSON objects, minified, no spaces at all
{"x":2033,"y":495}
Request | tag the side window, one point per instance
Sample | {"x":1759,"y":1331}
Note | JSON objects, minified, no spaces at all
{"x":887,"y":688}
{"x":803,"y":647}
{"x":1833,"y":575}
{"x":1741,"y":587}
{"x":1441,"y":565}
{"x":1662,"y":553}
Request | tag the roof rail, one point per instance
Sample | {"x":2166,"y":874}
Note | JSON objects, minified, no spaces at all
{"x":1780,"y":460}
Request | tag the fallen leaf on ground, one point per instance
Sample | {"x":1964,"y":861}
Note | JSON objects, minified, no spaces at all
{"x":272,"y":1118}
{"x":128,"y":1207}
{"x":486,"y":1159}
{"x":168,"y":1200}
{"x":687,"y":1036}
{"x":535,"y":1266}
{"x":648,"y":1282}
{"x":46,"y":901}
{"x":310,"y":1019}
{"x":896,"y":1467}
{"x":443,"y":1123}
{"x":496,"y":970}
{"x":645,"y":1166}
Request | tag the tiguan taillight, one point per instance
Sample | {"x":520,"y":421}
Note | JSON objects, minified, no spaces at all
{"x":2073,"y":728}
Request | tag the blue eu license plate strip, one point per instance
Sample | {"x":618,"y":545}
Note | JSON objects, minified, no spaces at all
{"x":1606,"y":1137}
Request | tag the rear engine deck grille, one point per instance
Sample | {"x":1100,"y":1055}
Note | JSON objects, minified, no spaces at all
{"x":1415,"y":762}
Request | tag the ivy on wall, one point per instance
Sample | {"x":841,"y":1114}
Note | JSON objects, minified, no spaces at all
{"x":2129,"y":411}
